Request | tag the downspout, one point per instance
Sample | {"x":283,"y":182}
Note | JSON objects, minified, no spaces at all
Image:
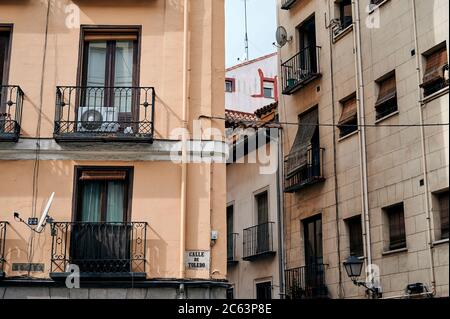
{"x":424,"y":157}
{"x":280,"y":206}
{"x":183,"y":200}
{"x":336,"y":190}
{"x":362,"y":138}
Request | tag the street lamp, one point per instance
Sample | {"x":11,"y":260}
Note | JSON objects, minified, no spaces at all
{"x":353,"y":266}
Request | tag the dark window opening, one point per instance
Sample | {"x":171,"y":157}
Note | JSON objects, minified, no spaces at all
{"x":229,"y":86}
{"x":230,"y":293}
{"x":308,"y":52}
{"x":443,"y":210}
{"x":387,"y":97}
{"x":230,"y":235}
{"x":264,"y":291}
{"x":348,"y":122}
{"x":268,"y":89}
{"x":355,"y":236}
{"x":345,"y":13}
{"x":396,"y":221}
{"x":436,"y":71}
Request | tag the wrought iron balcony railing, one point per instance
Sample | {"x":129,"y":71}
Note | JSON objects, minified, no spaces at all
{"x":287,"y":4}
{"x":297,"y":177}
{"x":306,"y":282}
{"x":2,"y":248}
{"x":104,"y":114}
{"x":258,"y":241}
{"x":100,"y":250}
{"x":231,"y":248}
{"x":300,"y":70}
{"x":11,"y":102}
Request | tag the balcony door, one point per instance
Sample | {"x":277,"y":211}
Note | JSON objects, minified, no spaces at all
{"x":4,"y":54}
{"x":262,"y":234}
{"x":308,"y":56}
{"x":314,"y":271}
{"x":108,"y":76}
{"x":101,"y":234}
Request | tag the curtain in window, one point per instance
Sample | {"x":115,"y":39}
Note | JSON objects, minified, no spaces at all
{"x":297,"y":158}
{"x":123,"y":75}
{"x":96,"y":74}
{"x":91,"y":202}
{"x":115,"y":202}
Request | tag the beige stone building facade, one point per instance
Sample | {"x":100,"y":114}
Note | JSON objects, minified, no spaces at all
{"x":93,"y":96}
{"x":370,"y":180}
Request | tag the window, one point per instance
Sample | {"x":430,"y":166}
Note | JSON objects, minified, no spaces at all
{"x":4,"y":54}
{"x":355,"y":236}
{"x":348,"y":122}
{"x":312,"y":228}
{"x":345,"y":13}
{"x":308,"y":54}
{"x":263,"y":228}
{"x":264,"y":290}
{"x":387,"y":97}
{"x":443,"y":212}
{"x":109,"y":71}
{"x":436,"y":70}
{"x":396,"y":222}
{"x":229,"y":86}
{"x":230,"y":237}
{"x":103,"y":194}
{"x":268,"y":89}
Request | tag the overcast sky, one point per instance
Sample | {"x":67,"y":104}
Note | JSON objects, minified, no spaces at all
{"x":261,"y":29}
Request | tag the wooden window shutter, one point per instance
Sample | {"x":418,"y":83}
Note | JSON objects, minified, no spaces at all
{"x":349,"y":111}
{"x":435,"y":66}
{"x":103,"y":175}
{"x":388,"y":90}
{"x":110,"y":34}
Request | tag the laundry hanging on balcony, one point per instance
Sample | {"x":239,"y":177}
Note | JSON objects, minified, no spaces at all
{"x":298,"y":155}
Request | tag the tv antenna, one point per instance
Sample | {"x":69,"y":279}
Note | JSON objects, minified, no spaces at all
{"x":34,"y":221}
{"x":247,"y":56}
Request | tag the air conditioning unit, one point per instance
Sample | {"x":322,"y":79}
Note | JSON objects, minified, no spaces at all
{"x":98,"y":119}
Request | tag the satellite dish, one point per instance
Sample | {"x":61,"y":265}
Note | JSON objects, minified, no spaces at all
{"x":45,"y":213}
{"x":281,"y":36}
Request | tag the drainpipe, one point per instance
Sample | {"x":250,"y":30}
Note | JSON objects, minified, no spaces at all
{"x":362,"y":136}
{"x":424,"y":157}
{"x":183,"y":200}
{"x":328,"y":25}
{"x":280,"y":206}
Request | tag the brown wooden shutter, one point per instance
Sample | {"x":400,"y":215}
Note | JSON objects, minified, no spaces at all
{"x":435,"y":65}
{"x":103,"y":175}
{"x":349,"y":111}
{"x":388,"y":90}
{"x":111,"y":34}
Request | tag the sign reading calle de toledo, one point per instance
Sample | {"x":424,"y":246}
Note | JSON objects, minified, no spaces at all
{"x":197,"y":260}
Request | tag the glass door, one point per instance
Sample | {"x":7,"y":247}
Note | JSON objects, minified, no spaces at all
{"x":4,"y":44}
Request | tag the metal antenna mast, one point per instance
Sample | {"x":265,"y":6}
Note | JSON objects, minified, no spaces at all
{"x":246,"y":31}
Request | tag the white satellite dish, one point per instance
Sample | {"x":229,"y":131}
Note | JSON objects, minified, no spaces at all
{"x":45,"y":213}
{"x":281,"y":36}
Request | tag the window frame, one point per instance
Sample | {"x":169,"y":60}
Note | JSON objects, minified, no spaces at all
{"x":349,"y":127}
{"x":232,"y":82}
{"x":396,"y":241}
{"x":257,"y":195}
{"x":7,"y":28}
{"x":265,"y":284}
{"x":379,"y":116}
{"x":433,"y":87}
{"x":76,"y":196}
{"x":351,"y":222}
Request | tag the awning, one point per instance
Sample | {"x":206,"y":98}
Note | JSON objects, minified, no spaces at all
{"x":388,"y":91}
{"x":349,"y":111}
{"x":434,"y":69}
{"x":297,"y":158}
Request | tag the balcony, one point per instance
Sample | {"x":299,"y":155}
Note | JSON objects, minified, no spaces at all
{"x":258,"y":242}
{"x":101,"y":114}
{"x":301,"y":69}
{"x":287,"y":4}
{"x":100,"y":250}
{"x":232,"y":258}
{"x":2,"y":248}
{"x":307,"y":282}
{"x":11,"y":102}
{"x":299,"y":176}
